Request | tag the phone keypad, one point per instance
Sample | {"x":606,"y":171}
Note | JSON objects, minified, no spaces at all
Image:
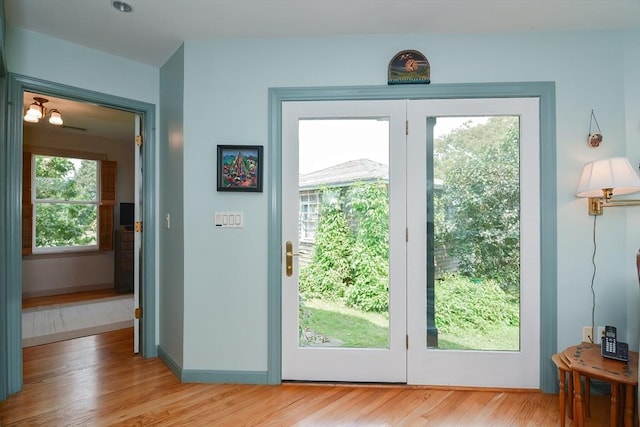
{"x":610,"y":345}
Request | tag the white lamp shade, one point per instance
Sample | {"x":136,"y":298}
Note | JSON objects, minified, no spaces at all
{"x":614,"y":172}
{"x":55,"y":118}
{"x":34,"y":111}
{"x":30,"y":119}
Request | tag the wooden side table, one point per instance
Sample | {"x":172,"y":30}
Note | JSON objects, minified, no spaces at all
{"x":585,"y":359}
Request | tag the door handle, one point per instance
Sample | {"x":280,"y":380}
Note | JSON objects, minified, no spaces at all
{"x":289,"y":258}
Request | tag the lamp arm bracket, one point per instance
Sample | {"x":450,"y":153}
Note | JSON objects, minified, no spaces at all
{"x":597,"y":204}
{"x":622,"y":202}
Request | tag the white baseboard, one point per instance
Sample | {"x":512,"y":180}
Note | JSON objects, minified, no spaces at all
{"x":69,"y":290}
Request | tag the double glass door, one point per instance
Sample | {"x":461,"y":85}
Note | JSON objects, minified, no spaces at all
{"x":411,"y":242}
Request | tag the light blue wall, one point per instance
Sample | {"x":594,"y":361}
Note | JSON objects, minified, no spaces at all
{"x":3,"y":25}
{"x":3,"y":295}
{"x":171,"y":240}
{"x":225,"y":102}
{"x":632,"y":244}
{"x":226,"y":85}
{"x":47,"y":58}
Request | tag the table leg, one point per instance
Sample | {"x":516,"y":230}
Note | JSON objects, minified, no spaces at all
{"x":578,"y":414}
{"x":628,"y":405}
{"x":587,"y":395}
{"x":561,"y":396}
{"x":570,"y":394}
{"x":614,"y":404}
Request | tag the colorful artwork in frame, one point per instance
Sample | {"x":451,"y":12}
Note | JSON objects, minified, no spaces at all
{"x":409,"y":66}
{"x":240,"y":168}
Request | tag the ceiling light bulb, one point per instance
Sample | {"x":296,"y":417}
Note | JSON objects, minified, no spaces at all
{"x":35,"y":110}
{"x":122,"y":6}
{"x":30,"y":119}
{"x":55,"y":118}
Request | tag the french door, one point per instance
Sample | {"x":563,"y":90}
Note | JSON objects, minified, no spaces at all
{"x":495,"y":203}
{"x":335,"y":154}
{"x":372,"y":200}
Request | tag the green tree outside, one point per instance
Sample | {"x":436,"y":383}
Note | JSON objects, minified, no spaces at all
{"x":477,"y":222}
{"x":61,"y":217}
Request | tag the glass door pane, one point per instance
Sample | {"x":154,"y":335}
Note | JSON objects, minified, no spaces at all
{"x":344,"y":232}
{"x":474,"y":268}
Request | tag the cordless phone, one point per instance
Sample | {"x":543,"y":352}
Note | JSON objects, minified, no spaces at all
{"x":611,"y":348}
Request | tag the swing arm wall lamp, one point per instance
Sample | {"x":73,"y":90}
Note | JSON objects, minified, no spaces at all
{"x":604,"y":179}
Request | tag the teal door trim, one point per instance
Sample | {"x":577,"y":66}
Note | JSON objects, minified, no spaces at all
{"x":11,"y":223}
{"x":544,"y":91}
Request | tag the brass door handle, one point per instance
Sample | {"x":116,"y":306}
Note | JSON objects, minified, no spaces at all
{"x":289,"y":258}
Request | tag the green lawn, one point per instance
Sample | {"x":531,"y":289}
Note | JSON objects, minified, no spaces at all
{"x":333,"y":324}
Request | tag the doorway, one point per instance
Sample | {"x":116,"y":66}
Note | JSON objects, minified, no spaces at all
{"x":280,"y":98}
{"x":372,"y":241}
{"x":12,"y":262}
{"x":68,"y":267}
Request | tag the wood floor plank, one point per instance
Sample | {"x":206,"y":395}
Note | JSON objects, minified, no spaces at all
{"x":97,"y":381}
{"x":68,"y":298}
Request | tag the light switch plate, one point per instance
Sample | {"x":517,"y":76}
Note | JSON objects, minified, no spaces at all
{"x":227,"y":219}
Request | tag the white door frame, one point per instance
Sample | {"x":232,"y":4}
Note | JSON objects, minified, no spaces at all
{"x":545,"y":91}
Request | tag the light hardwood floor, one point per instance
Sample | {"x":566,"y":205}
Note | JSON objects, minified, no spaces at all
{"x":67,"y":298}
{"x":97,"y":381}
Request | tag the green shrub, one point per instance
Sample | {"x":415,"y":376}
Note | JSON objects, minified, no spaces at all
{"x":329,"y":273}
{"x":369,"y":206}
{"x":464,"y":304}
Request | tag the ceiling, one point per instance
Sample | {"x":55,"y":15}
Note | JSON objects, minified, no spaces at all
{"x":85,"y":118}
{"x":156,"y":28}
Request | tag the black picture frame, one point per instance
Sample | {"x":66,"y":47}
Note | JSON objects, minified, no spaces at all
{"x":240,"y":168}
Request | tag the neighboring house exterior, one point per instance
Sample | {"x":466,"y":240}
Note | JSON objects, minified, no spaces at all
{"x":312,"y":189}
{"x":341,"y":175}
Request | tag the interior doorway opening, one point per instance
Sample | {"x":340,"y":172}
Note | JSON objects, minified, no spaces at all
{"x":77,"y":273}
{"x":11,"y":263}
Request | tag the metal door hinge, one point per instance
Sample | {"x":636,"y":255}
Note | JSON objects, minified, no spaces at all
{"x":407,"y":341}
{"x":138,"y":227}
{"x":406,"y":127}
{"x":137,"y":313}
{"x":406,"y":235}
{"x":139,"y":140}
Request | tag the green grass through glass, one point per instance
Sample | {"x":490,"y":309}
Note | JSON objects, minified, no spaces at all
{"x":331,"y":324}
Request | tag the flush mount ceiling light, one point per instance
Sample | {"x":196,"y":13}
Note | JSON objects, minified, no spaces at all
{"x":37,"y":110}
{"x":122,"y":6}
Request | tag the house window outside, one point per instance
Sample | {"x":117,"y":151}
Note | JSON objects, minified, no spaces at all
{"x":65,"y":199}
{"x":309,"y":208}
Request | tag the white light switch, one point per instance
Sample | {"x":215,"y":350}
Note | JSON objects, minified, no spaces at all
{"x":229,"y":219}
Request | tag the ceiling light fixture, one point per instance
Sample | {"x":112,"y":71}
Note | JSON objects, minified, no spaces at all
{"x":37,"y":110}
{"x":122,"y":6}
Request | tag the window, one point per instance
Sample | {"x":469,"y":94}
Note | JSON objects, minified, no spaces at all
{"x":67,"y":203}
{"x":309,"y":201}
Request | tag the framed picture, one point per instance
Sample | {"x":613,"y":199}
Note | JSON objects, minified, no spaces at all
{"x":409,"y":66}
{"x":240,"y":168}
